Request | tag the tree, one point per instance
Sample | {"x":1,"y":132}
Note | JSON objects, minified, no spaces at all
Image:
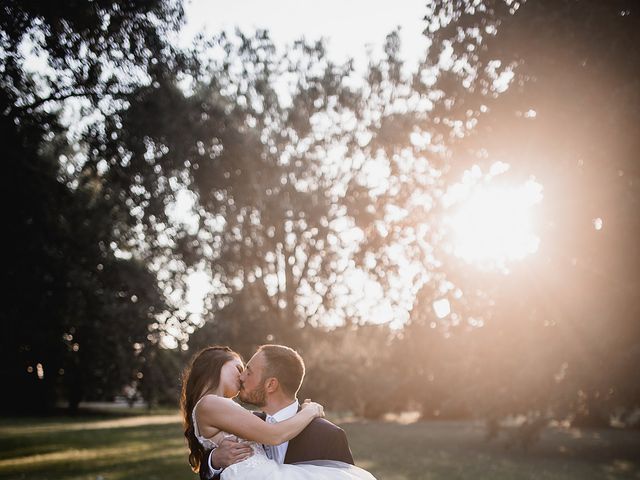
{"x":560,"y":334}
{"x":79,"y":308}
{"x":568,"y":119}
{"x":267,"y":182}
{"x":507,"y":81}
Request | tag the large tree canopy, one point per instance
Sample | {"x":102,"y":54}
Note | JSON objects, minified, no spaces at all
{"x":79,"y":310}
{"x":560,"y":331}
{"x":317,"y":197}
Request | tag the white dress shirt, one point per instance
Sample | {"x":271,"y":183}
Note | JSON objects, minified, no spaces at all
{"x":277,"y":452}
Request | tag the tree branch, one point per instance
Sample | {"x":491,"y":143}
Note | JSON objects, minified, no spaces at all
{"x":60,"y":96}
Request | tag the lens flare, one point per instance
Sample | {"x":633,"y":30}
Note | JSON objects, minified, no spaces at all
{"x":493,"y":225}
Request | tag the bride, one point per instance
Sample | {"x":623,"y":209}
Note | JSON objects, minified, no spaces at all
{"x":210,"y":415}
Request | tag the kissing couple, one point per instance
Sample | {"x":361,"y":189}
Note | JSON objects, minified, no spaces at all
{"x":287,"y":440}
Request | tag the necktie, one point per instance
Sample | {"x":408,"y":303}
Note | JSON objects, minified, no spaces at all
{"x":270,"y":450}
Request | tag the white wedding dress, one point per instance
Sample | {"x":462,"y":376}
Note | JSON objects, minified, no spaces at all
{"x":260,"y":467}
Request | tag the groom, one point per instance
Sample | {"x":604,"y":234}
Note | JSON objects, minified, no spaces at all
{"x":271,"y":381}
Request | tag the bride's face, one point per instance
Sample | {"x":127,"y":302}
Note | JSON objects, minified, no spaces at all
{"x":230,"y":377}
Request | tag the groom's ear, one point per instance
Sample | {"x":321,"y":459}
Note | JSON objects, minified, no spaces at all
{"x":272,"y":384}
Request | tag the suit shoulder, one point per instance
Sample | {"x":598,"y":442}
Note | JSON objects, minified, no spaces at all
{"x":324,"y":425}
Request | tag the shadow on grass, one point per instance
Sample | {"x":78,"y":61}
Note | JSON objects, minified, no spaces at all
{"x":153,"y":448}
{"x":138,"y":451}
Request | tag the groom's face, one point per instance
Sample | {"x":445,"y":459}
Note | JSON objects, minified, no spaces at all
{"x":252,"y":388}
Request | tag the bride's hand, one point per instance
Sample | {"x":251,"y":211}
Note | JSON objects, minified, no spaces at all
{"x":316,"y":408}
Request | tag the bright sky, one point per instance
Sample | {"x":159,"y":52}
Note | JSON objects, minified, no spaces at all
{"x":347,"y":25}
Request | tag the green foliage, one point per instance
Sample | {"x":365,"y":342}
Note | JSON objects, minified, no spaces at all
{"x":294,"y":192}
{"x":78,"y":310}
{"x":564,"y":324}
{"x":354,"y":368}
{"x":161,"y":376}
{"x":560,"y":331}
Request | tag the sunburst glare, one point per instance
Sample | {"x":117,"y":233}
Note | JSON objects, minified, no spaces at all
{"x":492,"y":225}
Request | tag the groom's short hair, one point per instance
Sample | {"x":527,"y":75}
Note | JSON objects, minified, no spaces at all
{"x":285,"y":364}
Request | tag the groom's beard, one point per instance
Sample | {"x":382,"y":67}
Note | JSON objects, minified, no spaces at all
{"x":257,"y":397}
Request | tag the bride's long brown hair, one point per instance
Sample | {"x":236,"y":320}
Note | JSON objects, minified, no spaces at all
{"x":202,"y":374}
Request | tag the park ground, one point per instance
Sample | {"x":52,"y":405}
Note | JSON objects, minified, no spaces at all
{"x":138,"y":446}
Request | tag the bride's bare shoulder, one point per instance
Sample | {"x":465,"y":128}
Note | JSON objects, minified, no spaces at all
{"x":215,"y":402}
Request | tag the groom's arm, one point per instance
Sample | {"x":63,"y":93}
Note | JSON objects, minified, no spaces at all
{"x":321,"y":440}
{"x":205,"y":470}
{"x":225,"y":455}
{"x":338,"y":447}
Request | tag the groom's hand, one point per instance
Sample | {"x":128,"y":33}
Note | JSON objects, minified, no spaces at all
{"x":229,"y":452}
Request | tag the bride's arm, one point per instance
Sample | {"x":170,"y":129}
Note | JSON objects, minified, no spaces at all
{"x":226,"y":415}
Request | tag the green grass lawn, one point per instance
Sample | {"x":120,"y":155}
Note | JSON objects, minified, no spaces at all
{"x":146,"y":447}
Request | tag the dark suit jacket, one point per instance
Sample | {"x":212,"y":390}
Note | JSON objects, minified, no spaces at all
{"x":320,"y":440}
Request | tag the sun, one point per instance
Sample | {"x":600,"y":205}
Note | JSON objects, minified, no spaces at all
{"x":491,"y":226}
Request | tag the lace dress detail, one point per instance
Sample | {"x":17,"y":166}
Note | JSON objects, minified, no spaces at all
{"x":207,"y":443}
{"x":258,"y":462}
{"x":260,"y":467}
